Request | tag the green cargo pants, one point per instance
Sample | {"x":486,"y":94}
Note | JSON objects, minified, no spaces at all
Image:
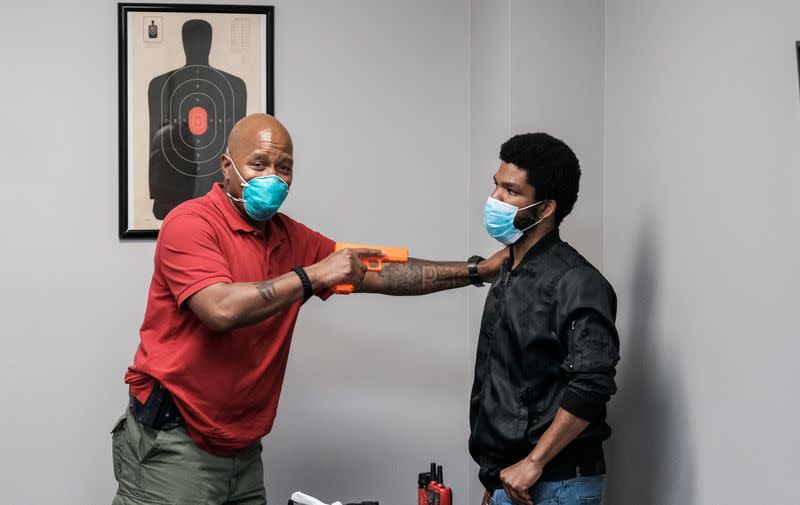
{"x":155,"y":467}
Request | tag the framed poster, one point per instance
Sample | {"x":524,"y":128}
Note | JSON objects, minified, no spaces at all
{"x":187,"y":74}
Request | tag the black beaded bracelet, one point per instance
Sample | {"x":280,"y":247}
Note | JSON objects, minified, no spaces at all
{"x":307,"y":289}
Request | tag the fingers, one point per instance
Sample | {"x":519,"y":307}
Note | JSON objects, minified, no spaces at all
{"x":359,"y":266}
{"x":510,"y":493}
{"x":357,"y":269}
{"x":518,"y":497}
{"x":521,"y":497}
{"x":350,"y":264}
{"x":367,"y":253}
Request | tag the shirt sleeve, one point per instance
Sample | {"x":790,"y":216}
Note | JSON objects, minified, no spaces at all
{"x":586,"y":308}
{"x":189,"y":256}
{"x":322,"y":247}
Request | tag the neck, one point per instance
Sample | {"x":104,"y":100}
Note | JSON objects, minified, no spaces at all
{"x":197,"y":60}
{"x":530,"y":239}
{"x":258,"y":225}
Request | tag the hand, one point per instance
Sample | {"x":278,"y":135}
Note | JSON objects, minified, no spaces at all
{"x":342,"y":267}
{"x":486,"y":496}
{"x":488,"y":268}
{"x":519,"y":478}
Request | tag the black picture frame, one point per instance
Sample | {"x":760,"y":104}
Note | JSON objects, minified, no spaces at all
{"x":797,"y":47}
{"x":126,"y":12}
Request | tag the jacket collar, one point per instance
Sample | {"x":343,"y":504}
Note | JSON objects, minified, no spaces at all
{"x":542,"y":246}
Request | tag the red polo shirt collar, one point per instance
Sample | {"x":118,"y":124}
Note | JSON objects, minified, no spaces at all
{"x":235,"y":220}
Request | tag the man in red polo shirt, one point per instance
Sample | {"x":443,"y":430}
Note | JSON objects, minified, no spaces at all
{"x":230,"y":275}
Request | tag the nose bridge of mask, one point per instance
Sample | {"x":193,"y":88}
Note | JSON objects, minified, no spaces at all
{"x":503,"y":205}
{"x":511,"y":207}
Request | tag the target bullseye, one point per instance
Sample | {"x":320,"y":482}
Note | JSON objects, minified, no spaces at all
{"x":198,"y":120}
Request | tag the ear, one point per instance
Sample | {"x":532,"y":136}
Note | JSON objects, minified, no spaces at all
{"x":226,"y":166}
{"x":548,"y":209}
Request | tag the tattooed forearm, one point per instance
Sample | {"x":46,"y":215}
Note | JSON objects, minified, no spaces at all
{"x":267,"y":290}
{"x":418,"y":277}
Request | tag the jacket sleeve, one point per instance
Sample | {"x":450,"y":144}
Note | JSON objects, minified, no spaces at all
{"x":585,"y":311}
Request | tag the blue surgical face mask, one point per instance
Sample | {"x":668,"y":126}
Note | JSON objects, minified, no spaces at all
{"x":262,"y":196}
{"x":498,"y":218}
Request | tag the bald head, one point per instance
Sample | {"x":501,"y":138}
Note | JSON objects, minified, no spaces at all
{"x":259,"y":131}
{"x":258,"y":146}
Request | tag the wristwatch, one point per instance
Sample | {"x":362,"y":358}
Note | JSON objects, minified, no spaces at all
{"x":472,"y":268}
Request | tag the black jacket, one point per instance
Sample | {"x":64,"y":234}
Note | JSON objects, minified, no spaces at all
{"x":547,"y":340}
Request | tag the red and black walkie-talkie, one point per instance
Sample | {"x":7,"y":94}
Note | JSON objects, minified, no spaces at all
{"x":445,"y":493}
{"x":422,"y":488}
{"x":433,"y":487}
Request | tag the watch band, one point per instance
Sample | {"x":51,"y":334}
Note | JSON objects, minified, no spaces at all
{"x":472,"y":269}
{"x":308,"y":291}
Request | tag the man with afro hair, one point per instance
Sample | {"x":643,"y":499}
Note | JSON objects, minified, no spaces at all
{"x":548,"y":345}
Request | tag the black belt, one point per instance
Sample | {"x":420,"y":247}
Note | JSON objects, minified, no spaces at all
{"x":579,"y":459}
{"x":565,"y":471}
{"x":159,"y":411}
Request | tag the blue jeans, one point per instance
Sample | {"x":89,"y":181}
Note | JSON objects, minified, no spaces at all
{"x":577,"y":491}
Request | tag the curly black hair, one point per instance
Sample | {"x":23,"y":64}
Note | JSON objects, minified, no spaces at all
{"x":552,"y":168}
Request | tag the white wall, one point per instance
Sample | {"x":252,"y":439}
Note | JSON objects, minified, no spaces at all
{"x":701,"y":174}
{"x":536,"y":66}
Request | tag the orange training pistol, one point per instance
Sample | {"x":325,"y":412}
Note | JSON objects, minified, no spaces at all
{"x":375,"y":264}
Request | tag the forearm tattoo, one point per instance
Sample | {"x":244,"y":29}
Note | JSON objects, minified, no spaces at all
{"x":419,"y":277}
{"x":267,"y":290}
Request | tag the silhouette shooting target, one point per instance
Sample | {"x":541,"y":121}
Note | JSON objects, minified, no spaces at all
{"x":189,"y":73}
{"x":192,"y":110}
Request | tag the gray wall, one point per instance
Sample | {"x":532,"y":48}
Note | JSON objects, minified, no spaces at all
{"x":701,"y":174}
{"x":377,"y":97}
{"x":388,"y":103}
{"x":684,"y":115}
